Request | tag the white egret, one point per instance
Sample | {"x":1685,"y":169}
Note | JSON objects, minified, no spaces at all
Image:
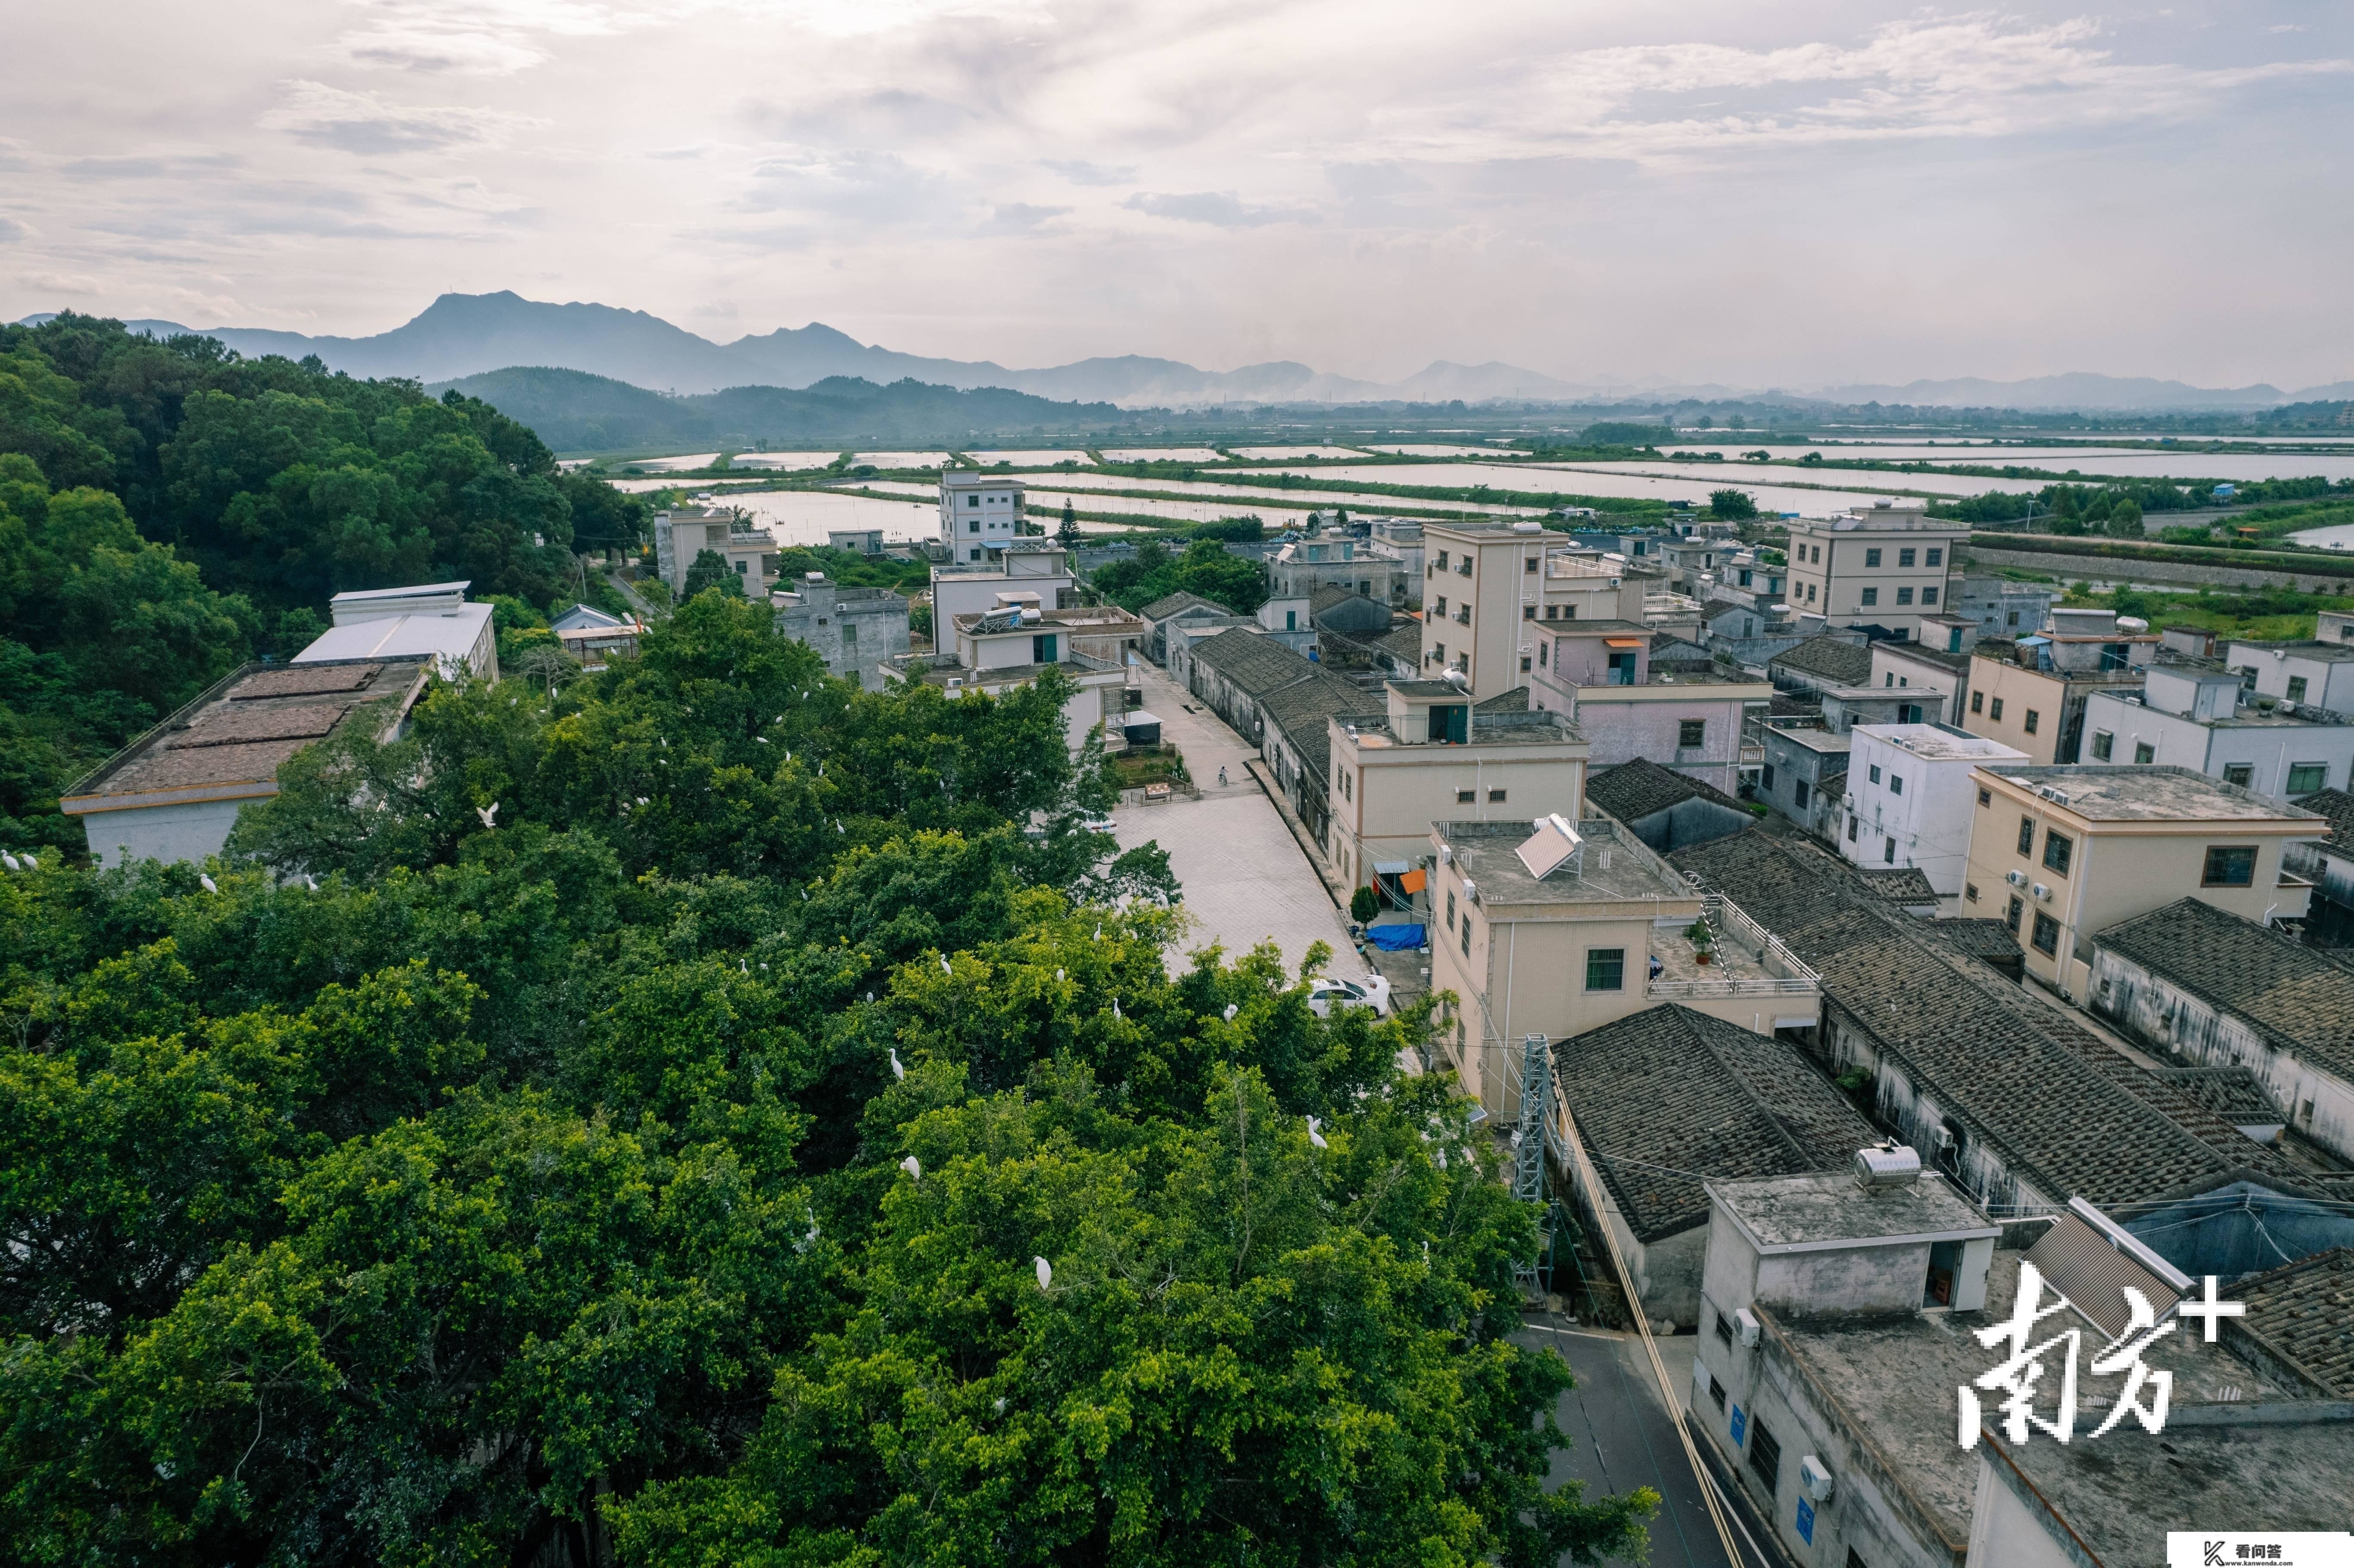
{"x":206,"y":882}
{"x":913,"y":1167}
{"x":30,"y":863}
{"x":1315,"y":1137}
{"x":1229,"y":1014}
{"x":489,"y":814}
{"x":897,"y":1070}
{"x":944,"y":966}
{"x":1045,"y":1273}
{"x":9,"y":861}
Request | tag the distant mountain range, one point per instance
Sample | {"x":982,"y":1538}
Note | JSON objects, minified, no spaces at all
{"x":461,"y":336}
{"x":572,"y":410}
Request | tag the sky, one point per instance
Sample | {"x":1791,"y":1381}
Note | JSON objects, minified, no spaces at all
{"x":1789,"y":195}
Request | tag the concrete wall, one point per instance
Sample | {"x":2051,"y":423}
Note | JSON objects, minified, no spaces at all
{"x":191,"y":831}
{"x":2266,"y":750}
{"x":1625,"y":722}
{"x":2317,"y":1103}
{"x":2008,"y":1530}
{"x":2238,"y":1229}
{"x":1696,"y":820}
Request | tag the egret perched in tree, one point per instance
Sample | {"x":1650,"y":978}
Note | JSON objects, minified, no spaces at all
{"x":1045,"y":1273}
{"x":30,"y":863}
{"x":944,"y":966}
{"x":310,"y":882}
{"x":206,"y":882}
{"x":1229,"y":1014}
{"x":1115,"y":1007}
{"x":1058,"y":977}
{"x":913,"y":1167}
{"x":898,"y":1071}
{"x":1315,"y":1137}
{"x":489,"y":814}
{"x":1098,"y":930}
{"x":9,"y":861}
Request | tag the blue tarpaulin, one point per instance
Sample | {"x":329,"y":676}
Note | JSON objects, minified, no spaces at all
{"x":1394,"y":938}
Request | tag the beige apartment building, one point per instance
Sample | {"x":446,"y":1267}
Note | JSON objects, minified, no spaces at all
{"x":1884,"y":564}
{"x":746,"y":549}
{"x":1536,"y":933}
{"x":2030,"y":694}
{"x":1429,"y":755}
{"x":1484,"y":583}
{"x":2061,"y":855}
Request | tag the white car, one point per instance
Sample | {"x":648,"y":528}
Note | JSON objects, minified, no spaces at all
{"x":1373,"y":992}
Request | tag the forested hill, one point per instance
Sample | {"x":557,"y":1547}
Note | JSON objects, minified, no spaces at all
{"x":572,"y":410}
{"x":168,"y":508}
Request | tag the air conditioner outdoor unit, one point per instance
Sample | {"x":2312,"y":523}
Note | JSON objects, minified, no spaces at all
{"x":2016,"y":878}
{"x":1745,"y":1322}
{"x":1445,"y":855}
{"x":2043,"y":890}
{"x":1471,"y":890}
{"x":1815,"y":1479}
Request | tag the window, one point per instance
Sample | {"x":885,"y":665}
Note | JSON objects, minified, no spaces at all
{"x":1724,"y":1330}
{"x":2230,"y":866}
{"x":1766,"y":776}
{"x":1438,"y":605}
{"x":1853,"y":824}
{"x":1694,"y":732}
{"x":1810,"y":591}
{"x":2010,"y":916}
{"x":2033,"y":718}
{"x":1495,"y":796}
{"x":1801,"y":792}
{"x":1525,"y":663}
{"x":1442,"y":560}
{"x":1969,"y":892}
{"x":1463,"y":614}
{"x":1605,"y":969}
{"x":1929,"y":596}
{"x":1543,"y":650}
{"x":1552,"y":612}
{"x":1978,"y":702}
{"x":1466,"y":797}
{"x":2047,"y":934}
{"x":2297,"y":688}
{"x":2102,"y":743}
{"x":1986,"y":797}
{"x":2305,"y":777}
{"x":1904,"y":596}
{"x":973,"y":501}
{"x":2011,"y":619}
{"x":2239,"y":773}
{"x":1818,"y":555}
{"x":2027,"y":835}
{"x":1889,"y":853}
{"x":1903,"y":557}
{"x":1872,"y":557}
{"x":1716,"y":1393}
{"x":1466,"y":933}
{"x":1872,"y":596}
{"x":1994,"y":711}
{"x":1463,"y":567}
{"x":1896,"y":783}
{"x":1527,"y":612}
{"x":2144,"y":753}
{"x":1888,"y":680}
{"x":1528,"y":563}
{"x":1875,"y":773}
{"x":973,"y":526}
{"x":2058,"y":850}
{"x":1764,"y":1456}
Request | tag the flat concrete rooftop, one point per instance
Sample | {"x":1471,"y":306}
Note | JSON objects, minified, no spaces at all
{"x":1613,"y":868}
{"x":1825,"y":1208}
{"x":2125,"y":793}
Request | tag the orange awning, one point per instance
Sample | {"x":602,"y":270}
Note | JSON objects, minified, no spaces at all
{"x":1414,"y":881}
{"x":1622,"y":642}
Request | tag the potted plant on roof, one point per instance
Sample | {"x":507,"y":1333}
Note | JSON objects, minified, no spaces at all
{"x":1703,"y":937}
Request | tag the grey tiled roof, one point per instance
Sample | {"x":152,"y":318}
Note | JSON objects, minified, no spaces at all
{"x":2064,"y":1110}
{"x":2232,"y":1093}
{"x":1898,"y":884}
{"x":1637,"y":788}
{"x":1515,"y":700}
{"x":1300,"y":712}
{"x":2299,"y":998}
{"x":1980,"y":938}
{"x":2338,"y":806}
{"x":1177,"y":603}
{"x":1847,"y":663}
{"x":1669,"y":1097}
{"x":1255,"y":662}
{"x":2305,"y":1311}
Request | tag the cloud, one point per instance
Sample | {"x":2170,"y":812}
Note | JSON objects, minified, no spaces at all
{"x":146,"y":166}
{"x":1079,"y":172}
{"x":469,"y":37}
{"x":1020,"y":217}
{"x":325,"y":116}
{"x":1978,"y":76}
{"x":880,"y":188}
{"x":1222,"y":209}
{"x":12,"y":231}
{"x":62,"y":282}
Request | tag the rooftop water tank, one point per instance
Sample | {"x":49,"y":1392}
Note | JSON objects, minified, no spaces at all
{"x":1886,"y":1165}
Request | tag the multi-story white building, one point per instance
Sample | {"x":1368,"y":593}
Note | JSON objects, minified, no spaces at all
{"x":2310,"y":674}
{"x":1597,"y":674}
{"x":686,"y":532}
{"x":979,"y":514}
{"x":1884,"y":564}
{"x":1911,"y":802}
{"x":1037,"y":567}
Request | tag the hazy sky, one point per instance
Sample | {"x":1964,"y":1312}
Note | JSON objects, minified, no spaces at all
{"x":1782,"y":194}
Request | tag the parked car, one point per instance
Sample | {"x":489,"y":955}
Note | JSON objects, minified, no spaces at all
{"x":1373,"y":992}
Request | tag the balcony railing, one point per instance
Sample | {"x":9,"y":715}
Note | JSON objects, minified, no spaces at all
{"x":1785,"y":974}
